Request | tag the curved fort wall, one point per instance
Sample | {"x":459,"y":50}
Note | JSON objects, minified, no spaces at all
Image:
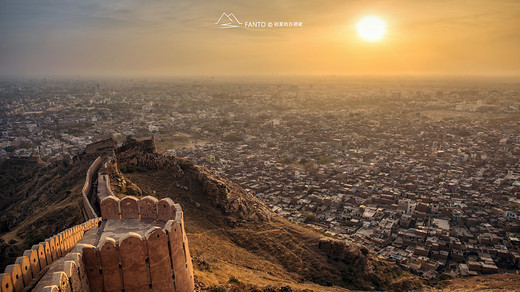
{"x":158,"y":259}
{"x":88,"y":210}
{"x":136,"y":245}
{"x":36,"y":261}
{"x":154,"y":259}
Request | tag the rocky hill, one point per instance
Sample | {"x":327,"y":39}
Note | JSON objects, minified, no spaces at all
{"x":234,"y":238}
{"x":498,"y":282}
{"x":236,"y":242}
{"x":37,"y":200}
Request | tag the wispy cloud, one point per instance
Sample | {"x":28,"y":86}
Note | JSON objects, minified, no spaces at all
{"x":164,"y":36}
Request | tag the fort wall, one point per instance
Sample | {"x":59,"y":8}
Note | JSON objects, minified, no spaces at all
{"x":106,"y":145}
{"x":93,"y":170}
{"x":130,"y":207}
{"x":136,"y":245}
{"x":158,"y":259}
{"x":36,"y":261}
{"x":155,"y":261}
{"x":132,"y":259}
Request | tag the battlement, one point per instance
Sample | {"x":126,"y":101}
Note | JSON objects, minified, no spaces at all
{"x":126,"y":244}
{"x":141,"y":243}
{"x":148,"y":207}
{"x":132,"y":255}
{"x":106,"y":145}
{"x":88,"y":210}
{"x":24,"y":273}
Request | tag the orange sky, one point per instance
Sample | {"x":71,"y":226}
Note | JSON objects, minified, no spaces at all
{"x":171,"y":38}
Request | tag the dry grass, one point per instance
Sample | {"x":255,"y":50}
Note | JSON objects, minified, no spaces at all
{"x":498,"y":282}
{"x":257,"y":254}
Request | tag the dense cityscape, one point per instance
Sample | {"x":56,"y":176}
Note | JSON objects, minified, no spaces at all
{"x":425,"y":173}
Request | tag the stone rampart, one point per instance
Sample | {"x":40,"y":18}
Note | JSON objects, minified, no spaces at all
{"x":34,"y":261}
{"x":87,"y":187}
{"x":157,"y":259}
{"x":161,"y":257}
{"x":130,"y":258}
{"x":106,"y":145}
{"x":130,"y":207}
{"x":140,"y":245}
{"x":103,"y":183}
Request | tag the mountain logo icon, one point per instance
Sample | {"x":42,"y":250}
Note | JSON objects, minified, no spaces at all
{"x":228,"y":21}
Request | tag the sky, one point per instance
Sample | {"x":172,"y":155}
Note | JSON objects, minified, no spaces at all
{"x":161,"y":38}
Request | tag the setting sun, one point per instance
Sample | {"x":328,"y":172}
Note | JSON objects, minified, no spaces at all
{"x":371,"y":28}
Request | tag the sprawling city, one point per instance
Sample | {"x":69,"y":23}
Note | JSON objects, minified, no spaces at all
{"x":425,"y":173}
{"x":266,"y":146}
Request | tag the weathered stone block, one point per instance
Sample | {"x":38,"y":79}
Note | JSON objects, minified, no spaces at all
{"x":178,"y":213}
{"x":25,"y":266}
{"x":129,"y":208}
{"x":183,"y":274}
{"x":39,"y":248}
{"x":75,"y":234}
{"x":109,"y":256}
{"x":57,"y":244}
{"x":47,"y":249}
{"x":52,"y":247}
{"x":165,"y":209}
{"x":70,"y":239}
{"x":77,"y":258}
{"x":109,"y":207}
{"x":148,"y":207}
{"x":32,"y":254}
{"x":92,"y":267}
{"x":16,"y":276}
{"x":159,"y":259}
{"x":72,"y":271}
{"x":60,"y":279}
{"x":7,"y":284}
{"x":133,"y":261}
{"x":65,"y":241}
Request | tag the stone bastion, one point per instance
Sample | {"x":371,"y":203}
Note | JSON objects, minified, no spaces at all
{"x":126,"y":244}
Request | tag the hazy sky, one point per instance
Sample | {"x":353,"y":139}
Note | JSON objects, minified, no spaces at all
{"x":167,"y":37}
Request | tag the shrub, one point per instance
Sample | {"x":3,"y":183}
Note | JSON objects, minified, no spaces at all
{"x":309,"y":218}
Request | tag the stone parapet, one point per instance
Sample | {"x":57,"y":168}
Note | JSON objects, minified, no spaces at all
{"x":130,"y":207}
{"x":34,"y":261}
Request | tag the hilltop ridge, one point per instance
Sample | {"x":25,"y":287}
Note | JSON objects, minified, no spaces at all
{"x":233,"y":235}
{"x":236,"y":242}
{"x":37,"y":200}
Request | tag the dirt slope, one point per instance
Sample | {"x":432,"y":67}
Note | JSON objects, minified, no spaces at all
{"x":38,"y":200}
{"x":234,"y":238}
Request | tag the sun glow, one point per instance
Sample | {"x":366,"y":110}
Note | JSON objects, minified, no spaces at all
{"x":371,"y":28}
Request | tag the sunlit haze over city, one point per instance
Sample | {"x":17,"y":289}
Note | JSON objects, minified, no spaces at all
{"x":173,"y":38}
{"x":268,"y":146}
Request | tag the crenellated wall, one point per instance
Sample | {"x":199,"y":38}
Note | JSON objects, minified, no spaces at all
{"x":157,"y":260}
{"x":142,"y":243}
{"x":136,"y":245}
{"x":130,"y":207}
{"x":19,"y":275}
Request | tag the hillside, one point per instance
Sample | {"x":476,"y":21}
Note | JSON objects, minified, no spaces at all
{"x":497,"y":282}
{"x":38,"y":200}
{"x":234,"y":238}
{"x":236,"y":242}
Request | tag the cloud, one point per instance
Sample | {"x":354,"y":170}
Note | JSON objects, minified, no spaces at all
{"x":180,"y":37}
